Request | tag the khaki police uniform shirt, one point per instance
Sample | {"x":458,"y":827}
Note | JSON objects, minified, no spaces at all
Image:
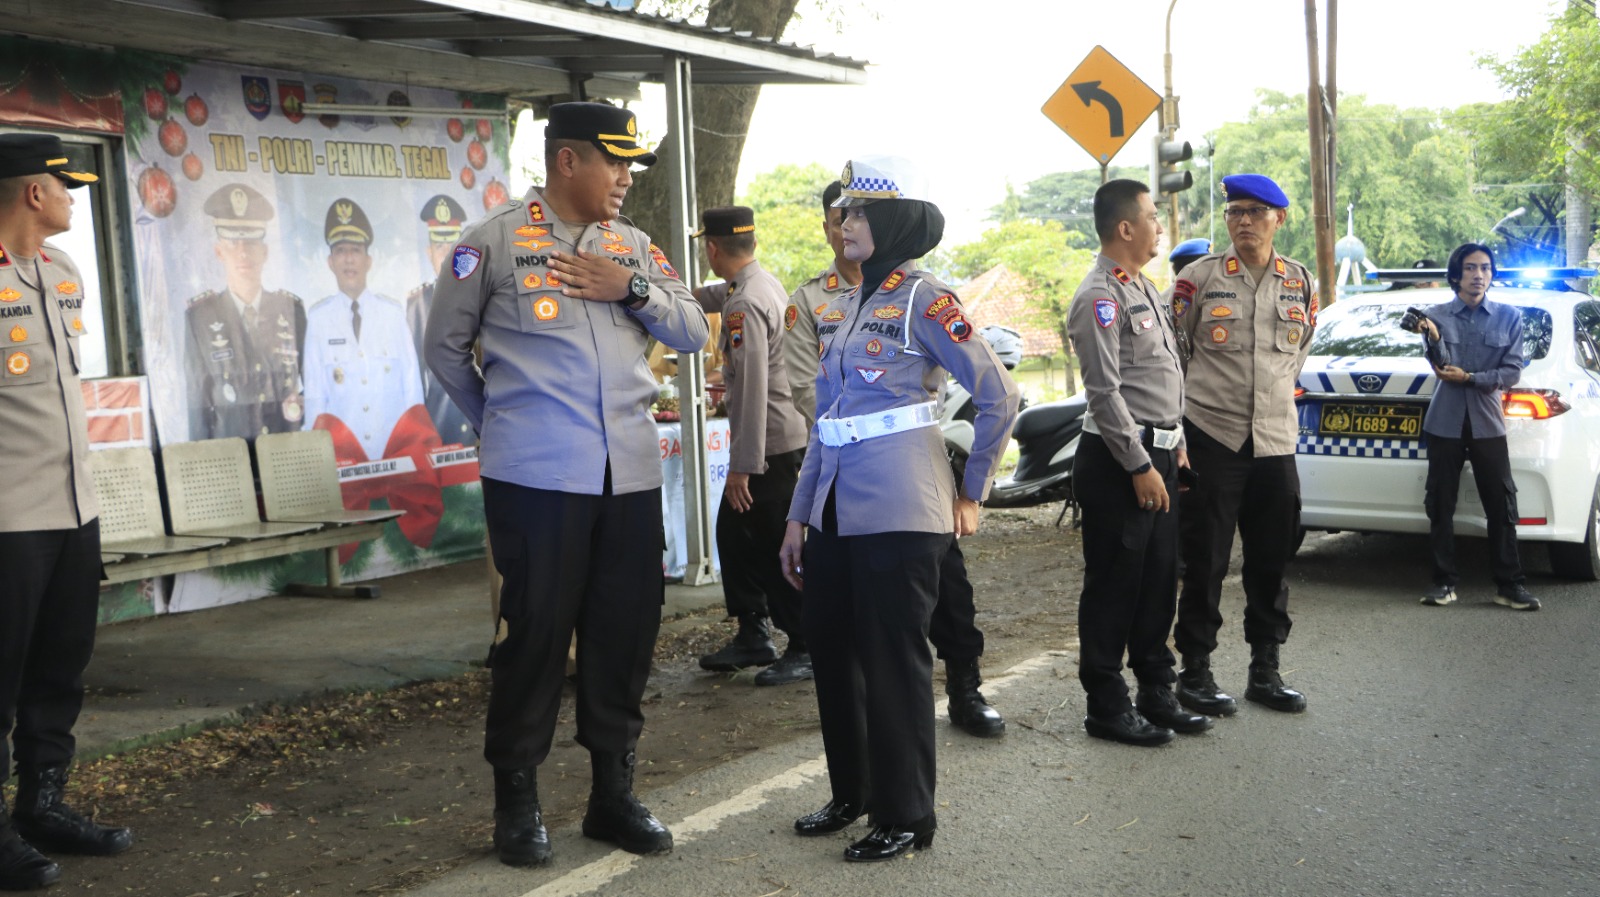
{"x":565,"y":386}
{"x":1247,"y":343}
{"x":808,"y":303}
{"x":44,"y":435}
{"x":762,"y":419}
{"x":890,"y":351}
{"x":1127,"y":348}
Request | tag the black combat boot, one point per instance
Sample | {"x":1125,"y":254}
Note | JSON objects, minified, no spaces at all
{"x":1157,"y":704}
{"x":519,"y":835}
{"x":793,"y":666}
{"x":615,"y":815}
{"x":969,"y":712}
{"x":21,"y":867}
{"x":43,"y":818}
{"x":1266,"y":686}
{"x":1198,"y":691}
{"x":751,"y":646}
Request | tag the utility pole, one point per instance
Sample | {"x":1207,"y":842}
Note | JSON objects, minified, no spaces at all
{"x":1321,"y":211}
{"x":1169,"y":126}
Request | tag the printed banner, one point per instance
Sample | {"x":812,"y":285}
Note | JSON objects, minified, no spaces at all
{"x":676,"y":558}
{"x":286,"y":260}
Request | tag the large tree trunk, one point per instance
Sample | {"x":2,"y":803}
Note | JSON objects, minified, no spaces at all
{"x":721,"y":117}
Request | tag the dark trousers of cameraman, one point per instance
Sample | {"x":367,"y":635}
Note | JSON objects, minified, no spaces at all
{"x":1491,"y":470}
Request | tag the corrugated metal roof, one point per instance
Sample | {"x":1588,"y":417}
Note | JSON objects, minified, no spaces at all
{"x":532,"y":51}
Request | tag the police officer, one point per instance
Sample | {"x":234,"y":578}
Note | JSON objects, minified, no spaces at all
{"x":767,"y":444}
{"x":1247,"y":314}
{"x":564,"y":294}
{"x":1126,"y":473}
{"x":876,"y":506}
{"x":49,"y":521}
{"x":243,"y":363}
{"x":1465,"y":421}
{"x":443,"y":217}
{"x":953,"y":629}
{"x":1186,"y":252}
{"x":361,"y":365}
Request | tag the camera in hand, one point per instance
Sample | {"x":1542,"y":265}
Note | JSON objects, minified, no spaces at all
{"x":1433,"y":349}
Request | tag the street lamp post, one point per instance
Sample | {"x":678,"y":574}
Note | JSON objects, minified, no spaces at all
{"x":1515,"y":213}
{"x":1169,"y":125}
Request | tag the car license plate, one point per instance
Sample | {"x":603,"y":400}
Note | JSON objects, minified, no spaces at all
{"x":1380,"y":421}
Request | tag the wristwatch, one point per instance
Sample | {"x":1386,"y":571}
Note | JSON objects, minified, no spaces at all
{"x":638,"y":289}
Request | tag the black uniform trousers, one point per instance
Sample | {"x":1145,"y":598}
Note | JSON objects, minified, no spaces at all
{"x":590,"y":562}
{"x":1258,"y":496}
{"x":1130,"y":577}
{"x":953,"y":629}
{"x":748,"y":543}
{"x":49,"y":604}
{"x":866,"y":609}
{"x":1491,"y":470}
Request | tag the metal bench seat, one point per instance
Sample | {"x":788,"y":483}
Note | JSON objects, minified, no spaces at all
{"x":300,"y":480}
{"x":130,"y":507}
{"x":211,"y":492}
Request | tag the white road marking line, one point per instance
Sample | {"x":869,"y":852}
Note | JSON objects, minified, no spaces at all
{"x":592,"y":876}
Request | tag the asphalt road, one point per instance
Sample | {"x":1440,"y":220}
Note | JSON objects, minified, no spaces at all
{"x":1446,"y":751}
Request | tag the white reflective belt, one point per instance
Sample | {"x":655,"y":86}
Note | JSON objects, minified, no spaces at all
{"x":841,"y":431}
{"x":1161,"y":439}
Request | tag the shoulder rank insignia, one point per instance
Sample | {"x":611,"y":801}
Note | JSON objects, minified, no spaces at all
{"x":528,"y":230}
{"x":889,"y":313}
{"x":5,"y":260}
{"x":820,"y":309}
{"x":1278,"y":266}
{"x":535,"y":213}
{"x":1232,"y":267}
{"x":1105,"y":312}
{"x":1118,"y":273}
{"x":790,"y":315}
{"x":893,"y":280}
{"x":832,"y":282}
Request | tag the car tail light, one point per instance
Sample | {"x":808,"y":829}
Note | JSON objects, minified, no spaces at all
{"x":1533,"y":404}
{"x":1532,"y":521}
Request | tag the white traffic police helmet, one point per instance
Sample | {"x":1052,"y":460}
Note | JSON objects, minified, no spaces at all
{"x":871,"y":178}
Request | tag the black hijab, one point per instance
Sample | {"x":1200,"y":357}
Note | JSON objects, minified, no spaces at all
{"x":902,"y":229}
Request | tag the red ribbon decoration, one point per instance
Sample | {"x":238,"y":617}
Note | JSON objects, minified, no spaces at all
{"x":416,"y":492}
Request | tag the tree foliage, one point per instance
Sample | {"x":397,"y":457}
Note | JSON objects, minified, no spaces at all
{"x":788,"y":206}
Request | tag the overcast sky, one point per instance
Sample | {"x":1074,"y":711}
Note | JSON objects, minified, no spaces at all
{"x":956,"y":85}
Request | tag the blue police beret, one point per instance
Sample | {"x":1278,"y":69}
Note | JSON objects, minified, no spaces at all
{"x":1254,"y":186}
{"x":1197,"y":246}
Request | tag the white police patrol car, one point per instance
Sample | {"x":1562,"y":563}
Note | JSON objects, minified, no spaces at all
{"x":1362,"y":455}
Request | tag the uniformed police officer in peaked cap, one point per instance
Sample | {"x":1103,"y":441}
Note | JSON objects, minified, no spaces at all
{"x":767,"y":442}
{"x":443,"y":218}
{"x":953,"y":628}
{"x":361,"y":364}
{"x":49,"y":520}
{"x":565,"y":295}
{"x":243,"y":361}
{"x":1248,"y":314}
{"x":1126,"y":476}
{"x":876,"y":507}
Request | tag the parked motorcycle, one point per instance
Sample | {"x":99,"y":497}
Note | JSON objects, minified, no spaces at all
{"x":1047,"y":436}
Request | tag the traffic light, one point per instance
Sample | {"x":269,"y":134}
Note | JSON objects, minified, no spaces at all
{"x":1164,"y":158}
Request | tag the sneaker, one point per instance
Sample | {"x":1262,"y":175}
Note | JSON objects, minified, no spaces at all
{"x":1516,"y":597}
{"x":1439,"y":596}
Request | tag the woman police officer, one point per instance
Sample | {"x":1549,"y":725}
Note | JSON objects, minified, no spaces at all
{"x":877,"y":497}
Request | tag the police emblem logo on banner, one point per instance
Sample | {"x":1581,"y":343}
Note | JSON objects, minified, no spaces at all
{"x":292,"y":100}
{"x":257,"y":101}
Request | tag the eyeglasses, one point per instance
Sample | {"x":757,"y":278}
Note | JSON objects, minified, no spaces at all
{"x":1253,"y":212}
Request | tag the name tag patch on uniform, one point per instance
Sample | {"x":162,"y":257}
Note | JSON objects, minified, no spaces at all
{"x":790,"y":315}
{"x":871,"y":375}
{"x":546,"y":308}
{"x":18,"y":334}
{"x":889,"y":313}
{"x":1105,"y":312}
{"x":9,"y":295}
{"x":835,"y":315}
{"x":875,"y":347}
{"x":660,"y":259}
{"x":958,"y":328}
{"x":18,"y":363}
{"x":336,"y":342}
{"x":222,"y":355}
{"x":1219,"y":334}
{"x":464,"y":262}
